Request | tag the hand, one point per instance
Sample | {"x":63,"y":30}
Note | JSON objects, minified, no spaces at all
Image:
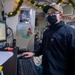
{"x":28,"y":54}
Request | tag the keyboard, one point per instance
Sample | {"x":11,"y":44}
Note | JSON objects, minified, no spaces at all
{"x":26,"y":66}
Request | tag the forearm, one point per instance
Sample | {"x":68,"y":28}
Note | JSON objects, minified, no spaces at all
{"x":38,"y":52}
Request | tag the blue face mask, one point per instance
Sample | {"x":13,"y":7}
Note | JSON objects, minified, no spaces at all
{"x":52,"y":19}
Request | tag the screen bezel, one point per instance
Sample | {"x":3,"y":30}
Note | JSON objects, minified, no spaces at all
{"x":4,"y":40}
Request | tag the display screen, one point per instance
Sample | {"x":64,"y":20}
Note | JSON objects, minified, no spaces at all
{"x":2,"y":32}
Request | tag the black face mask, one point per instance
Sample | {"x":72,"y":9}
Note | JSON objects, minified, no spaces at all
{"x":52,"y":19}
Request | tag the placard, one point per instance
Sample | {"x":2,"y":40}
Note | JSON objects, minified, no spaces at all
{"x":24,"y":31}
{"x":24,"y":16}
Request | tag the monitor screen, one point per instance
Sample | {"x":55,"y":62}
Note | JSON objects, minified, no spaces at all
{"x":2,"y":32}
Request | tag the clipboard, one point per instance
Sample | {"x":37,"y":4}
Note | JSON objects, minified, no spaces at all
{"x":4,"y":56}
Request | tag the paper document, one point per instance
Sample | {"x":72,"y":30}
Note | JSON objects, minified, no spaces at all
{"x":4,"y":56}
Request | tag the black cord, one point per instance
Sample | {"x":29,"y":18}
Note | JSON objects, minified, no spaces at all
{"x":10,"y":34}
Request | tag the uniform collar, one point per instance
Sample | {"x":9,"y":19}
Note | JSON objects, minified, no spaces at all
{"x":56,"y":26}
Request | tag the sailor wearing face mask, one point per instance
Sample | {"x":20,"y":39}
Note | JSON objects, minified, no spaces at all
{"x":58,"y":45}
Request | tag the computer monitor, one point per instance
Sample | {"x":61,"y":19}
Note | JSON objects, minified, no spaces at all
{"x":2,"y":32}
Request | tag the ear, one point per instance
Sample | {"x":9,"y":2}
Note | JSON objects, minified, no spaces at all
{"x":61,"y":15}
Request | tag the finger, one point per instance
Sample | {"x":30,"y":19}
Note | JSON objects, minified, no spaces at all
{"x":24,"y":53}
{"x":27,"y":56}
